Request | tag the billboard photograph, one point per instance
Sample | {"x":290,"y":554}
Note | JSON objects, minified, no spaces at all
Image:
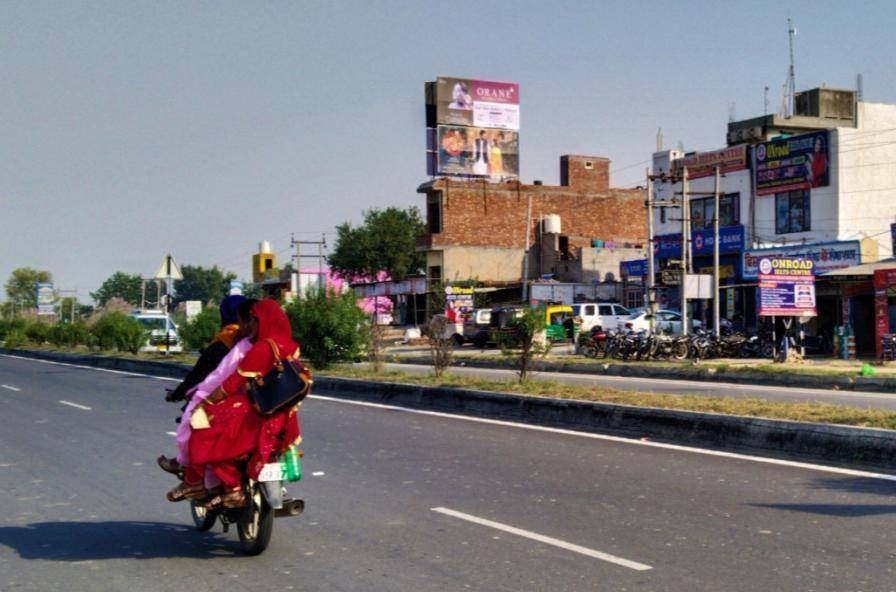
{"x":788,"y":164}
{"x":480,"y":152}
{"x":477,"y":103}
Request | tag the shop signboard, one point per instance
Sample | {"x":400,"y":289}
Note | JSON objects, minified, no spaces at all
{"x":46,"y":299}
{"x":477,"y":103}
{"x":633,"y":269}
{"x":731,"y":240}
{"x":703,"y":164}
{"x":458,"y":302}
{"x":786,"y":287}
{"x":480,"y":152}
{"x":787,"y":164}
{"x":884,"y":284}
{"x":824,"y":256}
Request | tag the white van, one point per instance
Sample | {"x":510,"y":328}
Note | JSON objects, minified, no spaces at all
{"x":161,"y":332}
{"x":605,"y":315}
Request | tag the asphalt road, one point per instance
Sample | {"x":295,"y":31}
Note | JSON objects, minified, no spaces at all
{"x":517,"y":508}
{"x":682,"y":387}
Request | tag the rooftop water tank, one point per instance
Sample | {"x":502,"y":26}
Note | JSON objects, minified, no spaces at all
{"x":552,"y":224}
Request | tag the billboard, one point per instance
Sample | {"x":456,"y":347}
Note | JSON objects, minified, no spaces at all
{"x":458,"y":302}
{"x":825,"y":257}
{"x":787,"y":164}
{"x":477,"y":103}
{"x":46,"y":299}
{"x":786,"y":287}
{"x":475,"y":151}
{"x":731,"y":240}
{"x":703,"y":164}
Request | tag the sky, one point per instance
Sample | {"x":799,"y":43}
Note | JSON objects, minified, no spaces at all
{"x":130,"y":129}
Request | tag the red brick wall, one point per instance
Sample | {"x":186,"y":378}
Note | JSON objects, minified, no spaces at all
{"x":478,"y":213}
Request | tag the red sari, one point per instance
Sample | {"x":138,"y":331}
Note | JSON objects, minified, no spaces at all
{"x":237,"y":430}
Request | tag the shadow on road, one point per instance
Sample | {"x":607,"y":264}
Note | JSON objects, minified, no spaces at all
{"x":840,"y":510}
{"x":83,"y":541}
{"x":857,"y":485}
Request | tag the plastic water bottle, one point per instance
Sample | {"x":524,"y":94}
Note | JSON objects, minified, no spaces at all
{"x":292,"y":459}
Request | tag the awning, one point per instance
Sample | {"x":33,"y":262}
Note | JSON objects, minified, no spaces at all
{"x":863,"y":270}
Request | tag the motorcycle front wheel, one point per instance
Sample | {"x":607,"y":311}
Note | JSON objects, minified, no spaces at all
{"x":256,"y":525}
{"x":202,"y":518}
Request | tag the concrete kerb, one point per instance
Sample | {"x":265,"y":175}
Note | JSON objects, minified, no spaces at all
{"x":821,"y":381}
{"x":845,"y":445}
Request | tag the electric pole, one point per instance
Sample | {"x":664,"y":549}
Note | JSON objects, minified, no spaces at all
{"x":685,"y":249}
{"x":715,"y":261}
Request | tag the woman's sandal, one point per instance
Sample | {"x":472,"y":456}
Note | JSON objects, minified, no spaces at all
{"x":170,"y":465}
{"x":234,"y":498}
{"x":185,"y":491}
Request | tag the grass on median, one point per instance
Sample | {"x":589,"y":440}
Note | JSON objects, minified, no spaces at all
{"x":753,"y":407}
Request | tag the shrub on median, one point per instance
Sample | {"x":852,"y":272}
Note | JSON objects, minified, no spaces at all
{"x":328,"y":326}
{"x":202,"y":329}
{"x":116,"y":330}
{"x":68,"y":334}
{"x":38,"y":332}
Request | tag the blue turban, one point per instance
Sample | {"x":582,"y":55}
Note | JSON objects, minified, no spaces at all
{"x":229,"y":307}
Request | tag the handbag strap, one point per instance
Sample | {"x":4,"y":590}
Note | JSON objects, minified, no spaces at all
{"x":275,"y":350}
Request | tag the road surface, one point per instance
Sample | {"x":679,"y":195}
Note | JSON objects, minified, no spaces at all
{"x":415,"y":501}
{"x":681,"y":387}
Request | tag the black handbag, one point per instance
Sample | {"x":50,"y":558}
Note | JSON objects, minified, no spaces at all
{"x":285,"y":385}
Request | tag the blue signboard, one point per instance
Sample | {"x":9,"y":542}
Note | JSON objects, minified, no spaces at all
{"x":731,"y":240}
{"x":633,"y":268}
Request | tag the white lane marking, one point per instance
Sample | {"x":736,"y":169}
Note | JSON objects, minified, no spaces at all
{"x":318,"y":474}
{"x":545,"y":539}
{"x":75,"y":405}
{"x":171,"y":433}
{"x":90,"y":368}
{"x":10,"y":388}
{"x":701,"y":386}
{"x":622,"y":440}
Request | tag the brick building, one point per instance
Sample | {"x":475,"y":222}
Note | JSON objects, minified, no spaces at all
{"x":579,"y":230}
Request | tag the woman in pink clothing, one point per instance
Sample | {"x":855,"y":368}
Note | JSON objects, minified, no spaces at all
{"x":197,"y":394}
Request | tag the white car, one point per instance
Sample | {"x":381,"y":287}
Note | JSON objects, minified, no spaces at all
{"x":667,"y":321}
{"x":161,"y":332}
{"x":605,"y":315}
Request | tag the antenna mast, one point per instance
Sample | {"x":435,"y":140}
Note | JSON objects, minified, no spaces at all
{"x":791,"y":76}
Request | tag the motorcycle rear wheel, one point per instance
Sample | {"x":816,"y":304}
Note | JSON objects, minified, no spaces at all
{"x":680,"y":350}
{"x":256,"y":525}
{"x":202,"y":518}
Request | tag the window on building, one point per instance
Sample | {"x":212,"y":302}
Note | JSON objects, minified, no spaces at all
{"x":703,"y":210}
{"x":434,"y":214}
{"x":435,"y":273}
{"x":662,"y":215}
{"x":792,"y":211}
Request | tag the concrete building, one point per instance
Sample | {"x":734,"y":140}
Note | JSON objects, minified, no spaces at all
{"x":577,"y":231}
{"x":842,"y":221}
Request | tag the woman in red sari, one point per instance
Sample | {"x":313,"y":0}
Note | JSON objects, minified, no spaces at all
{"x":236,"y":431}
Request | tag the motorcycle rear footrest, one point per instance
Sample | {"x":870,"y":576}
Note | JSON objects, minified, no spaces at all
{"x":290,"y":507}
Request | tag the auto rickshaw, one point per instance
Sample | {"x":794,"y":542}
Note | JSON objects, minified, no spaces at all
{"x":560,"y":323}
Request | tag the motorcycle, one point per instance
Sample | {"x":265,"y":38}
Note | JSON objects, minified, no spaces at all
{"x":265,"y":500}
{"x":594,"y":343}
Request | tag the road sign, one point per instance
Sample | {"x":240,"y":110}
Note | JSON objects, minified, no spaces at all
{"x":168,"y":269}
{"x":671,"y":277}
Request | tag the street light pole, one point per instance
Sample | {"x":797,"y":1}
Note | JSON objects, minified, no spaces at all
{"x":715,"y":262}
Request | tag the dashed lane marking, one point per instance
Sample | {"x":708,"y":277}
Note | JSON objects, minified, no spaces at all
{"x":545,"y":539}
{"x":75,"y":405}
{"x":10,"y":388}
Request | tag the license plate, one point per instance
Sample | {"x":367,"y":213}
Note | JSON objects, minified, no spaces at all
{"x":271,"y":472}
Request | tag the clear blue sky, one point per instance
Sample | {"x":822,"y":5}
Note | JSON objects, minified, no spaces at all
{"x":130,"y":129}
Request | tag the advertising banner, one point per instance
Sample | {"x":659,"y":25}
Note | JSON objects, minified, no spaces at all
{"x":703,"y":164}
{"x":884,"y":282}
{"x":893,"y":237}
{"x":787,"y":164}
{"x":480,"y":152}
{"x":46,"y":299}
{"x":479,"y":103}
{"x":633,"y":269}
{"x":824,"y":256}
{"x":731,"y":240}
{"x":458,"y":302}
{"x":786,"y":287}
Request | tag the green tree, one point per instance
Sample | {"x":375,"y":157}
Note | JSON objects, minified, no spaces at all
{"x":386,"y":241}
{"x":329,"y":327}
{"x":21,"y":287}
{"x":206,"y":284}
{"x":128,"y":287}
{"x":200,"y":331}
